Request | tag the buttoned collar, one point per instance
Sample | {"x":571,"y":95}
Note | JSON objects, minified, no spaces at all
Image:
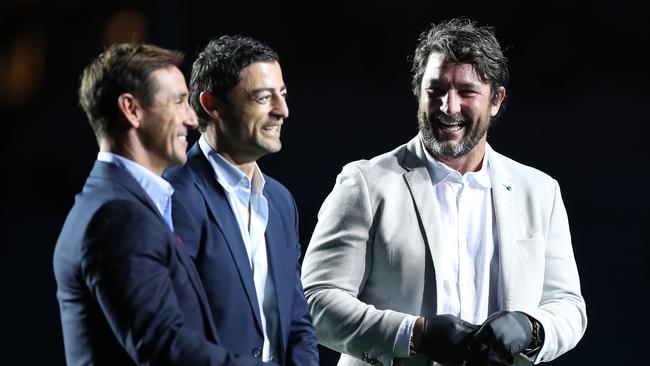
{"x":228,"y":175}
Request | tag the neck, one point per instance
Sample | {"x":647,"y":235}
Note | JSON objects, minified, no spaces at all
{"x":133,"y":151}
{"x":245,"y":164}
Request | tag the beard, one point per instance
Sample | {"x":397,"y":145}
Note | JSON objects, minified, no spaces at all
{"x":447,"y":149}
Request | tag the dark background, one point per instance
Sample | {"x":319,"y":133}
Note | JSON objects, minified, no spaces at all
{"x":577,"y":109}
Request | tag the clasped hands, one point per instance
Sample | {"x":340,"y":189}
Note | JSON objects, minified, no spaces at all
{"x":450,"y":340}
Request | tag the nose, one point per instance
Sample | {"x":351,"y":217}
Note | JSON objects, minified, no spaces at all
{"x":280,"y":107}
{"x":190,"y":120}
{"x":450,"y":103}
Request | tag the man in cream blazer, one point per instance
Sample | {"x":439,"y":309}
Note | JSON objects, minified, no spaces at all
{"x":393,"y":273}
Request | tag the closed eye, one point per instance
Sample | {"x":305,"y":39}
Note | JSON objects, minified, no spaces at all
{"x":261,"y":96}
{"x":263,"y":99}
{"x":468,"y":93}
{"x":435,"y":92}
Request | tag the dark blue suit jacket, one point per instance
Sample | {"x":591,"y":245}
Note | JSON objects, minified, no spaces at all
{"x":127,"y":290}
{"x":214,"y":242}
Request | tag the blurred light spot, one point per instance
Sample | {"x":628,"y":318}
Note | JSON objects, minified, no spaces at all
{"x":22,"y":67}
{"x":127,"y":25}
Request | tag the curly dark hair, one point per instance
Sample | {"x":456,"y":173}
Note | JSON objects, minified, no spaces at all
{"x":218,"y":67}
{"x":462,"y":41}
{"x":121,"y":68}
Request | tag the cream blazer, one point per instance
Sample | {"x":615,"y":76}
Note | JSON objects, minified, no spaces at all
{"x":373,"y":255}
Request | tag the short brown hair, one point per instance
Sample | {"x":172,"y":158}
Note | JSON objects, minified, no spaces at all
{"x":122,"y":68}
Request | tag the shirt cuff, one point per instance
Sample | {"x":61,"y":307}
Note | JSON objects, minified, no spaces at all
{"x":402,"y":349}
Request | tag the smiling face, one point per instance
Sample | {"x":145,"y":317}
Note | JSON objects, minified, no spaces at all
{"x":250,"y":122}
{"x":164,"y":125}
{"x":455,"y":108}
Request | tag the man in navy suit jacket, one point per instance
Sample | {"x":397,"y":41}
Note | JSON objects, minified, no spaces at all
{"x":128,"y":292}
{"x":242,"y":230}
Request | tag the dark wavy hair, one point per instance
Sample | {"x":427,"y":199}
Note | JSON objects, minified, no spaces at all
{"x":217,"y":68}
{"x":121,"y":68}
{"x":462,"y":41}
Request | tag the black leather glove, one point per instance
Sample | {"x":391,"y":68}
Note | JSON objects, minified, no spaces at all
{"x":445,"y":339}
{"x":501,"y":337}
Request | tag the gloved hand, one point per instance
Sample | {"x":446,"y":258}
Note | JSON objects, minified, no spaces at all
{"x":501,"y":337}
{"x":445,"y":339}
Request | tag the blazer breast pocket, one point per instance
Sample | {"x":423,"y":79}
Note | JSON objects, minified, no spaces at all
{"x":535,"y":240}
{"x":531,"y":254}
{"x":528,"y":270}
{"x":531,"y":249}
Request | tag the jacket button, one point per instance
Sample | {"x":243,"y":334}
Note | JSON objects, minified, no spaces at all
{"x":257,"y":352}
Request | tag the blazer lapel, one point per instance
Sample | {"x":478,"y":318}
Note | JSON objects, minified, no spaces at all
{"x":503,"y":198}
{"x":217,"y":202}
{"x":419,"y":183}
{"x":119,"y":176}
{"x":276,"y":251}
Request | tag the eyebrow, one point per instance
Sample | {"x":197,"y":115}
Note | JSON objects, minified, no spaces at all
{"x":437,"y":82}
{"x":270,"y":90}
{"x":176,"y":95}
{"x":470,"y":85}
{"x":173,"y":96}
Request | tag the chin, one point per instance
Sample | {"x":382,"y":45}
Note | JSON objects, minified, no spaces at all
{"x":178,"y":160}
{"x":272,"y":147}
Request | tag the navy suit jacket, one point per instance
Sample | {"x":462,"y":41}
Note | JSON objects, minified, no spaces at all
{"x":128,"y":292}
{"x":214,"y":241}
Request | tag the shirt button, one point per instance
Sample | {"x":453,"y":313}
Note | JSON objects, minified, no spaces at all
{"x":257,"y":352}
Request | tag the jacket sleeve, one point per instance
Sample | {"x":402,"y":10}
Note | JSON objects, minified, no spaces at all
{"x":562,"y":310}
{"x":335,"y":270}
{"x":125,"y":261}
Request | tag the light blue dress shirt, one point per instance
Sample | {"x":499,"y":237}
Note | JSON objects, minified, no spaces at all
{"x":158,"y":189}
{"x":251,"y":209}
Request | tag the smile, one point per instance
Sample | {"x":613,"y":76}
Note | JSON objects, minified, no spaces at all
{"x":451,"y":126}
{"x":272,"y":130}
{"x":182,"y":136}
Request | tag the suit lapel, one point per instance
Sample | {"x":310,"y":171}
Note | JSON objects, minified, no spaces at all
{"x":121,"y":177}
{"x":103,"y":170}
{"x":503,"y":198}
{"x":215,"y":197}
{"x":276,"y":251}
{"x":419,"y":183}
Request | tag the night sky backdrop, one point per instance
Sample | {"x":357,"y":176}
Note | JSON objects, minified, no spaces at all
{"x":578,"y":103}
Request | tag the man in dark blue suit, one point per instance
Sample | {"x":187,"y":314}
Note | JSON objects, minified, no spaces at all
{"x":127,"y":290}
{"x":242,"y":229}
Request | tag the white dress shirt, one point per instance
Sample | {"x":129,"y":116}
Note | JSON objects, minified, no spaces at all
{"x":469,"y":273}
{"x":157,"y":188}
{"x":251,"y":209}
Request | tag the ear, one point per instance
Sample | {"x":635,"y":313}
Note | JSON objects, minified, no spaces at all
{"x":130,"y":109}
{"x":500,"y":95}
{"x":209,"y":104}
